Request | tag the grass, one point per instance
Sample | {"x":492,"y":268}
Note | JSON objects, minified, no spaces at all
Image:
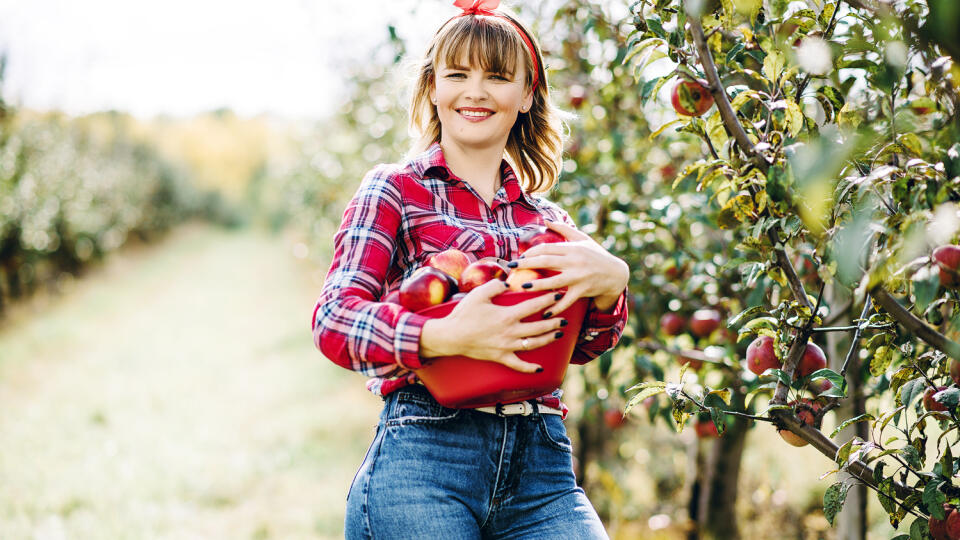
{"x":175,"y":393}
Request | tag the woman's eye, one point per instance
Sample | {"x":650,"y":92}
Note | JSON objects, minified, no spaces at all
{"x":456,"y":76}
{"x":499,"y":77}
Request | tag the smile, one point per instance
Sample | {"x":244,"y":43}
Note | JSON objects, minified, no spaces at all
{"x":475,"y":114}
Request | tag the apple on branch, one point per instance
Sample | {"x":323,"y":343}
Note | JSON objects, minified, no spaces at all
{"x":690,"y":99}
{"x":426,"y":287}
{"x":948,"y":260}
{"x":704,"y":321}
{"x":806,"y":410}
{"x":672,"y":324}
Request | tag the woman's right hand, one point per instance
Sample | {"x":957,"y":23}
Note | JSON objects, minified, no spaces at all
{"x":480,"y":329}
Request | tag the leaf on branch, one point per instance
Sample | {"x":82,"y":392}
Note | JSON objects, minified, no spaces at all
{"x":833,"y":499}
{"x":839,"y":383}
{"x":849,"y":422}
{"x":910,"y":391}
{"x":736,"y":210}
{"x":773,"y":65}
{"x":933,"y":498}
{"x":887,"y":496}
{"x":750,"y":312}
{"x":722,"y":395}
{"x":881,"y":360}
{"x":642,"y":395}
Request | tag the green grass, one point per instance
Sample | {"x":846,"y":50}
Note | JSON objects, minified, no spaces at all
{"x":175,"y":393}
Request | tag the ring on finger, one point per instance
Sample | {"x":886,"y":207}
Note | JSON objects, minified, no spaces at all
{"x":524,"y":343}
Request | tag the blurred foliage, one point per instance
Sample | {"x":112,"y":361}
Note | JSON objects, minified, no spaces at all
{"x":74,"y":189}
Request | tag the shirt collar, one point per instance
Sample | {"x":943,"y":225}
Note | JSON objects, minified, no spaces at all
{"x":432,"y":164}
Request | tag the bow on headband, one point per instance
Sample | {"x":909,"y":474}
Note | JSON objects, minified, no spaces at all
{"x":486,"y":7}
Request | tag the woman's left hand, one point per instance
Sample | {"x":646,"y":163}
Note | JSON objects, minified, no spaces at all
{"x":586,"y":269}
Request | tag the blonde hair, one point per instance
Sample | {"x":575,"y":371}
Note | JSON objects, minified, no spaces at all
{"x":535,"y":144}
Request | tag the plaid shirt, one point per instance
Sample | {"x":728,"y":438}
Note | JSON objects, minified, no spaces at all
{"x":400,"y":215}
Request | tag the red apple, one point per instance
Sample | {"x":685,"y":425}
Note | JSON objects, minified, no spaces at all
{"x":424,"y":289}
{"x":948,"y":260}
{"x":704,"y":321}
{"x":538,"y":235}
{"x":393,"y":298}
{"x":820,"y":386}
{"x":938,"y":527}
{"x":761,"y":356}
{"x":931,"y":404}
{"x":690,"y":99}
{"x":694,"y":363}
{"x":613,"y":418}
{"x":806,"y":411}
{"x":953,"y":524}
{"x":813,"y":359}
{"x":451,"y":262}
{"x":672,"y":324}
{"x":577,"y":95}
{"x":518,"y":277}
{"x":479,"y":273}
{"x":706,"y":429}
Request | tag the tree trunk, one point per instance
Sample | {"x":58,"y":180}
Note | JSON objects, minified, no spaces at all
{"x":851,"y":522}
{"x":717,"y":505}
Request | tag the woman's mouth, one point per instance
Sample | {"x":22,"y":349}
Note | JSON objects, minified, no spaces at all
{"x":475,"y":115}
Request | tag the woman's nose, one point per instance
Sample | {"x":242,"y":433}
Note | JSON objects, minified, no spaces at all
{"x":476,"y":88}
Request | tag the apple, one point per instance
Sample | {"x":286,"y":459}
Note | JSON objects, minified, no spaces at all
{"x":538,"y":235}
{"x":813,"y":359}
{"x":480,"y":272}
{"x":938,"y":527}
{"x":425,"y":288}
{"x":690,"y":98}
{"x":577,"y":95}
{"x":393,"y":298}
{"x":948,"y":260}
{"x":931,"y":404}
{"x":806,"y":411}
{"x":955,"y":371}
{"x":694,"y":363}
{"x":672,"y":271}
{"x":613,"y":418}
{"x":706,"y":429}
{"x":953,"y":525}
{"x":451,"y":262}
{"x":761,"y":356}
{"x":518,"y":277}
{"x":704,"y":321}
{"x":672,"y":324}
{"x":820,"y":386}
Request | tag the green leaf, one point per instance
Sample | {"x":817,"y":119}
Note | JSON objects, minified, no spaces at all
{"x":911,"y":390}
{"x":773,"y":65}
{"x":839,"y":383}
{"x":881,"y":360}
{"x":946,"y":462}
{"x":925,"y":289}
{"x":949,"y":397}
{"x":642,"y":395}
{"x":719,"y":419}
{"x":734,"y":52}
{"x":750,"y":312}
{"x":887,"y":495}
{"x":656,"y":27}
{"x":919,"y":530}
{"x":680,"y":414}
{"x":843,"y":453}
{"x":833,"y":499}
{"x":933,"y":498}
{"x":850,"y":421}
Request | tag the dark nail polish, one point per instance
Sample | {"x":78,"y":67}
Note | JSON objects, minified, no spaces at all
{"x":539,"y":370}
{"x":512,"y":264}
{"x":505,"y":284}
{"x":558,"y":335}
{"x":563,"y":322}
{"x":547,"y":314}
{"x":522,"y":256}
{"x":527,"y":285}
{"x":558,"y":296}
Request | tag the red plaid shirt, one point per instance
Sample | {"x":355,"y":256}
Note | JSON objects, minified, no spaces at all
{"x":400,"y":215}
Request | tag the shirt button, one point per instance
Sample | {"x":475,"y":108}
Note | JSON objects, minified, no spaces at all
{"x":500,"y":242}
{"x":491,"y":219}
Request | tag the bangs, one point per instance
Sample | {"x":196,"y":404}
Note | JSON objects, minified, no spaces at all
{"x":487,"y":43}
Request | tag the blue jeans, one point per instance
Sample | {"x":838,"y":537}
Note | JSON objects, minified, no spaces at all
{"x":451,"y":474}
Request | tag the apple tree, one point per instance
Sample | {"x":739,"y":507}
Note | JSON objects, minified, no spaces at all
{"x":829,"y":166}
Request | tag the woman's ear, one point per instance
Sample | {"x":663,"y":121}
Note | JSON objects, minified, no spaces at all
{"x":433,"y":93}
{"x":527,"y":102}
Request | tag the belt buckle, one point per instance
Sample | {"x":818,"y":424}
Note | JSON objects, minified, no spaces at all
{"x":526,"y":409}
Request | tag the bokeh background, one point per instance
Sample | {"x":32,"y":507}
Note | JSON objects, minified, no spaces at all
{"x":171,"y":175}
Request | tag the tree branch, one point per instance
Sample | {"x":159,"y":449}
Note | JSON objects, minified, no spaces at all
{"x":914,"y":325}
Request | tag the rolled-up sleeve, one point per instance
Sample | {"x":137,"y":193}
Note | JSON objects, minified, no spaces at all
{"x":350,"y":326}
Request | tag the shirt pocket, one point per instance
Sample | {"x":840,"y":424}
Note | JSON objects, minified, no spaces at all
{"x":436,"y":237}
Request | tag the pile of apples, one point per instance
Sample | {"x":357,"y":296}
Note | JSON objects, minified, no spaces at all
{"x":449,"y":275}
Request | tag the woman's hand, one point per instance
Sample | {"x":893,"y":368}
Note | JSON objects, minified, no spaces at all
{"x":480,"y":329}
{"x":585,"y":268}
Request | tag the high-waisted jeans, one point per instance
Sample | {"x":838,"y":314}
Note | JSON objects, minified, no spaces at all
{"x":451,"y":474}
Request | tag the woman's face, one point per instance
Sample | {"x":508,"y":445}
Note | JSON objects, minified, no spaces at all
{"x":477,"y":109}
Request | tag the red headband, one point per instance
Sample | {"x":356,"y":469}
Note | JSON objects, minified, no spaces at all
{"x":486,"y":7}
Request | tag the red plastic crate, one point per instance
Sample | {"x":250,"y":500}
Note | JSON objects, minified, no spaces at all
{"x":464,"y":382}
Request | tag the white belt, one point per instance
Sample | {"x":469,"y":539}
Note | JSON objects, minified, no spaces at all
{"x":524,"y":408}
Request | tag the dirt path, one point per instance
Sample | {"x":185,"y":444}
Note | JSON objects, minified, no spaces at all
{"x":175,"y":393}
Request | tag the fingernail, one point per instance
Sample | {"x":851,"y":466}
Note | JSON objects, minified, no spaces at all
{"x":558,"y":335}
{"x":539,"y":370}
{"x":512,"y":264}
{"x":527,"y":285}
{"x":505,"y":284}
{"x":547,"y":314}
{"x":521,"y":257}
{"x":563,"y":322}
{"x":558,"y":296}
